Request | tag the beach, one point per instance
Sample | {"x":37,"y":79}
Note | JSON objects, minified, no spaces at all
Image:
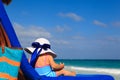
{"x":107,"y":67}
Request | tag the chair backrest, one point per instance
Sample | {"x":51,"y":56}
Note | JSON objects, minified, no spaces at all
{"x":26,"y":68}
{"x":4,"y":41}
{"x":9,"y":57}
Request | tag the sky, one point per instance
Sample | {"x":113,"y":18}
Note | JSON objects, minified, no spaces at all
{"x":76,"y":29}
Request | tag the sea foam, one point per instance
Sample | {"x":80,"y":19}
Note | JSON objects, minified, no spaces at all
{"x":94,"y":70}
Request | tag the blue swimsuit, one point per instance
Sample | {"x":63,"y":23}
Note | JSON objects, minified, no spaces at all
{"x":46,"y":70}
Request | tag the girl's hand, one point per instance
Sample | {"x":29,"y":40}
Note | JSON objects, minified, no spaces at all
{"x":61,"y":63}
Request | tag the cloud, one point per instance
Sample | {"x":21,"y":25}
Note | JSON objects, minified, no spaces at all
{"x":61,"y":42}
{"x":63,"y":28}
{"x":78,"y":38}
{"x":59,"y":28}
{"x":113,"y":39}
{"x":98,"y":23}
{"x":72,"y":16}
{"x":27,"y":34}
{"x":116,"y":24}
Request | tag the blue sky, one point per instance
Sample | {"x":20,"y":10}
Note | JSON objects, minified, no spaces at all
{"x":77,"y":29}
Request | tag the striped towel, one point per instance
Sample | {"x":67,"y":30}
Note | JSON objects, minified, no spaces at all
{"x":9,"y":63}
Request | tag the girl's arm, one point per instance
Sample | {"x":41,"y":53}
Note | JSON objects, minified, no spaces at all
{"x":54,"y":65}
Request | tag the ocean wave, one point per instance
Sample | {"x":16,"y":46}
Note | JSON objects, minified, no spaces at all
{"x":95,"y":70}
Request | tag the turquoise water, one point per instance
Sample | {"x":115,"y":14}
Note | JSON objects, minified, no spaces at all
{"x":109,"y":67}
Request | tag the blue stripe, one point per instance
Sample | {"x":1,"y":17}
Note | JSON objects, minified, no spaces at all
{"x":13,"y":54}
{"x":9,"y":69}
{"x":3,"y":79}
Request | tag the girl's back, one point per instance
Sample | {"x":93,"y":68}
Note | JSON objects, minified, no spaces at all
{"x":43,"y":60}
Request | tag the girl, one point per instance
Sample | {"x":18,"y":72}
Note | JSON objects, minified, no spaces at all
{"x":42,"y":59}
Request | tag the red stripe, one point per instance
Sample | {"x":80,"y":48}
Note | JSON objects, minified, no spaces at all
{"x":7,"y":76}
{"x":5,"y":59}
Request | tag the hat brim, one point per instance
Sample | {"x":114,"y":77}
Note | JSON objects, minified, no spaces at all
{"x":31,"y":49}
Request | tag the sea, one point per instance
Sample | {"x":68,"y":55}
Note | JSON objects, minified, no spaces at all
{"x":107,"y":67}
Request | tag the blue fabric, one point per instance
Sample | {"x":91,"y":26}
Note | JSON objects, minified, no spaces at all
{"x":13,"y":55}
{"x":8,"y":27}
{"x":28,"y":70}
{"x":80,"y":77}
{"x":46,"y":71}
{"x":34,"y":57}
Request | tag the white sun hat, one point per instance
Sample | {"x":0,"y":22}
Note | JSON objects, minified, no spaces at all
{"x":41,"y":42}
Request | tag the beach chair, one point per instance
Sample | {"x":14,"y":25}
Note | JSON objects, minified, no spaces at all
{"x":10,"y":58}
{"x":27,"y":70}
